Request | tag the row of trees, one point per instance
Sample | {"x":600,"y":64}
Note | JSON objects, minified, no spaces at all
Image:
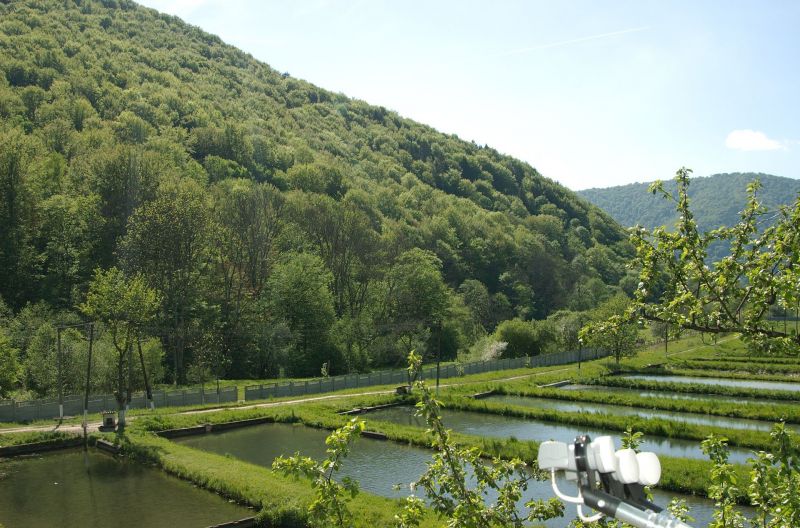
{"x":733,"y":294}
{"x":279,"y":225}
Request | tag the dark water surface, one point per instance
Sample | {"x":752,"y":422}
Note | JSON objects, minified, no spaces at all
{"x":377,"y":465}
{"x":73,"y":489}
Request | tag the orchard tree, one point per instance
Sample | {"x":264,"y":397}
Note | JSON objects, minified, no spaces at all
{"x":679,"y":286}
{"x":125,"y":305}
{"x":612,"y":329}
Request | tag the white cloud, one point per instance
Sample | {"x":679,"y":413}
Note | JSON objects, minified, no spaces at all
{"x":749,"y":140}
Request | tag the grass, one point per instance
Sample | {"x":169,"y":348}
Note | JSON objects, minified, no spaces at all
{"x":34,"y":437}
{"x":283,"y":501}
{"x":650,"y":426}
{"x":695,"y":388}
{"x":739,"y":366}
{"x":695,"y":373}
{"x":679,"y":475}
{"x":773,"y":413}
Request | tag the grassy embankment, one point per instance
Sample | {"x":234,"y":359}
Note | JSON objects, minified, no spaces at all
{"x":774,"y":413}
{"x":751,"y":367}
{"x":546,"y":373}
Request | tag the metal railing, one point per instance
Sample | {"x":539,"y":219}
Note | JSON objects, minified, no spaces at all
{"x":45,"y":409}
{"x":400,"y":376}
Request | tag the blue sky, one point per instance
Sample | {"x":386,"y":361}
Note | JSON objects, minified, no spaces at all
{"x":592,"y":94}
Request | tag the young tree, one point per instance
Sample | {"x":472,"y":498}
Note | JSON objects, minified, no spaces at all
{"x":612,"y":329}
{"x":329,"y":507}
{"x":125,"y":305}
{"x":679,"y":286}
{"x":447,"y":486}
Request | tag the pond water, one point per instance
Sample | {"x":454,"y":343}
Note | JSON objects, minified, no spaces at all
{"x":673,"y":394}
{"x":493,"y":425}
{"x":624,"y":410}
{"x":379,"y":466}
{"x":750,"y":384}
{"x":77,"y":489}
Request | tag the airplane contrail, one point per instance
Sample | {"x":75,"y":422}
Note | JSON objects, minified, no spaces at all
{"x":571,"y":41}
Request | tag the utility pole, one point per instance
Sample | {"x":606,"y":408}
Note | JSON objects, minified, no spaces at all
{"x":147,"y":387}
{"x":60,"y":381}
{"x":88,"y":381}
{"x":438,"y":354}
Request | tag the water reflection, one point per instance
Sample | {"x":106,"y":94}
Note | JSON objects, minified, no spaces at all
{"x":73,"y":489}
{"x":377,"y":465}
{"x":623,"y":410}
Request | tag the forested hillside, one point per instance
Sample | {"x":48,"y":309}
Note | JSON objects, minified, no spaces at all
{"x":716,"y":200}
{"x":253,"y":223}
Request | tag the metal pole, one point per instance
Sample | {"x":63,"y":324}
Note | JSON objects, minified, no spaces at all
{"x":60,"y":376}
{"x":88,"y":380}
{"x":666,"y":339}
{"x":438,"y":355}
{"x":147,"y":387}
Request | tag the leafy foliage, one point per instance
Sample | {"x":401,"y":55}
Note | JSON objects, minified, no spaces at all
{"x":129,"y":139}
{"x":678,"y":285}
{"x":447,"y":485}
{"x":329,"y":507}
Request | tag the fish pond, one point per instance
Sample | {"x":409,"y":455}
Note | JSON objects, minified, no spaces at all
{"x":497,"y":426}
{"x":750,"y":384}
{"x":644,"y":393}
{"x":623,"y":410}
{"x":78,"y":489}
{"x":381,"y":467}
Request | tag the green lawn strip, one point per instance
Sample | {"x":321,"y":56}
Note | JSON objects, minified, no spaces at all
{"x":540,"y":372}
{"x":694,"y":373}
{"x":774,"y":413}
{"x":651,"y":426}
{"x":751,"y":359}
{"x":283,"y":500}
{"x":679,"y":474}
{"x":35,"y":437}
{"x":738,"y":366}
{"x":694,"y":388}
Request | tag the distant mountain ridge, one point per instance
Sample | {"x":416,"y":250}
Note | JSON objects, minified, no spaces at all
{"x":716,"y":199}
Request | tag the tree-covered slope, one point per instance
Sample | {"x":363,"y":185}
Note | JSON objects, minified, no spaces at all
{"x":716,"y":200}
{"x":276,"y":220}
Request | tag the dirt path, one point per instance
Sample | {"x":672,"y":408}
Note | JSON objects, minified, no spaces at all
{"x":78,"y":429}
{"x":703,"y":345}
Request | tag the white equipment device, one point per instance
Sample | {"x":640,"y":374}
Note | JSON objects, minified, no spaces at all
{"x":610,"y":481}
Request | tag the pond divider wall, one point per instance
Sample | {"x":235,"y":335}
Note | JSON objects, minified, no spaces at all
{"x":362,"y":410}
{"x":400,"y":376}
{"x":248,"y":522}
{"x":45,"y":409}
{"x":555,"y":385}
{"x":208,"y":428}
{"x":40,"y":447}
